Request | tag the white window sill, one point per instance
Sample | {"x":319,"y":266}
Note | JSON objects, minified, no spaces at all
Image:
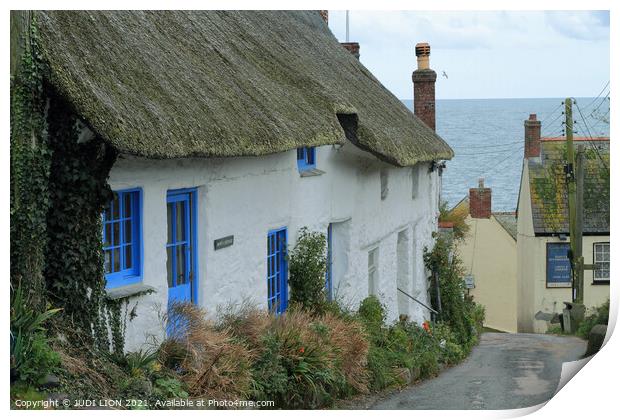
{"x":124,"y":292}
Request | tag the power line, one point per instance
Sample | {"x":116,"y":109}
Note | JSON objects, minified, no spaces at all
{"x":551,"y":113}
{"x":493,"y":168}
{"x":598,"y":96}
{"x":551,"y":123}
{"x":601,"y":119}
{"x":491,"y":145}
{"x":599,"y":105}
{"x":496,"y":152}
{"x":590,"y":135}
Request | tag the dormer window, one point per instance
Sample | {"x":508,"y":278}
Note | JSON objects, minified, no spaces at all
{"x":306,"y":158}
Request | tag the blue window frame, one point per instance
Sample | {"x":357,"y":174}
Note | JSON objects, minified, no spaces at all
{"x":181,"y":245}
{"x":122,"y":238}
{"x":277,"y":271}
{"x":328,"y":273}
{"x":306,"y":158}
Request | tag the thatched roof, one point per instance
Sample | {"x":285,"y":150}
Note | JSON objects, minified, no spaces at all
{"x":164,"y":84}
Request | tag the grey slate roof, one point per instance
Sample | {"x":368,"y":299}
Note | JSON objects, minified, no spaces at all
{"x":549,"y":193}
{"x":508,"y":220}
{"x":173,"y":84}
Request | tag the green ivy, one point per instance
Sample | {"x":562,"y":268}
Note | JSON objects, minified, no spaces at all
{"x":78,"y":193}
{"x":458,"y":311}
{"x":58,"y":192}
{"x":30,"y":169}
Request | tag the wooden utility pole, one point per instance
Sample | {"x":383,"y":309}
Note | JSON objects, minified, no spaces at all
{"x":572,"y":191}
{"x":579,"y":266}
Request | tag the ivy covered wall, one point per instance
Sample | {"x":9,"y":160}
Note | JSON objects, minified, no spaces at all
{"x":78,"y":192}
{"x":30,"y":168}
{"x":58,"y":192}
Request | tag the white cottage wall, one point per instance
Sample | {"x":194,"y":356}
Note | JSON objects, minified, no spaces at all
{"x":248,"y":196}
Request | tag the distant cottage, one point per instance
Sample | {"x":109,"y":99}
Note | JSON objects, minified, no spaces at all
{"x":489,"y":254}
{"x":544,"y":279}
{"x":232,"y":130}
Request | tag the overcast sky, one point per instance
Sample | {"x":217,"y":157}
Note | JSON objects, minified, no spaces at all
{"x":506,"y":54}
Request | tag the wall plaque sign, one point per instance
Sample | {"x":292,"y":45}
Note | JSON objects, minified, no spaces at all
{"x":224,"y":242}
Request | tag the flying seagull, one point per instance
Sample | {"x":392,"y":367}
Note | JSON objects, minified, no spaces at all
{"x":444,"y":74}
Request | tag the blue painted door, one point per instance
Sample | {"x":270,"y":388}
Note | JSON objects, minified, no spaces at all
{"x":277,"y":271}
{"x":180,"y":246}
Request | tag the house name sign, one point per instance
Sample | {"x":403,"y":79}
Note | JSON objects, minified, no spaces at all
{"x":224,"y":242}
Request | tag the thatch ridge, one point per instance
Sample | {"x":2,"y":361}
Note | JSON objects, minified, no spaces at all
{"x":174,"y":84}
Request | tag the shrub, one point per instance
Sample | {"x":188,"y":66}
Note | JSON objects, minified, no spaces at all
{"x":245,"y":322}
{"x":300,"y":369}
{"x":168,"y":387}
{"x":214,"y":365}
{"x":458,"y":217}
{"x":300,"y":359}
{"x":140,"y":362}
{"x":458,"y":311}
{"x":600,"y":315}
{"x":372,"y":313}
{"x":348,"y":341}
{"x":307,"y":267}
{"x":423,"y":349}
{"x":451,"y":351}
{"x":31,"y":355}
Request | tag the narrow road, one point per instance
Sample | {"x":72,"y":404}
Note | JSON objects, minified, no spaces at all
{"x":504,"y":371}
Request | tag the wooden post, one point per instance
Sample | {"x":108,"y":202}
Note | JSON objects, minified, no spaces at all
{"x":572,"y":189}
{"x":579,"y":267}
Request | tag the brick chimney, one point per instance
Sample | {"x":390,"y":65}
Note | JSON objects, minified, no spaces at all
{"x":424,"y":86}
{"x":532,"y":137}
{"x":325,"y":15}
{"x":353,"y":47}
{"x":480,"y":201}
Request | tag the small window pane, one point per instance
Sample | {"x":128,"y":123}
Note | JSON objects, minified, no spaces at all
{"x":116,"y":234}
{"x":181,"y":275}
{"x":170,"y":211}
{"x":310,"y":155}
{"x":128,"y":257}
{"x":116,"y":260}
{"x":180,"y":221}
{"x":115,"y":208}
{"x":169,"y":264}
{"x":127,"y":203}
{"x":128,"y":228}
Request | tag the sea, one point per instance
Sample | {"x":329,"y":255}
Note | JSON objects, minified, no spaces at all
{"x":487,"y":136}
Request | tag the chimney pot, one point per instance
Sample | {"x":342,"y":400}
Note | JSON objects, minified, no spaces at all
{"x":424,"y":86}
{"x":532,"y":137}
{"x":423,"y":52}
{"x":480,"y":201}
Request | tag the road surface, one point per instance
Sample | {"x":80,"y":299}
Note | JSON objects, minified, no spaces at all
{"x":504,"y":371}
